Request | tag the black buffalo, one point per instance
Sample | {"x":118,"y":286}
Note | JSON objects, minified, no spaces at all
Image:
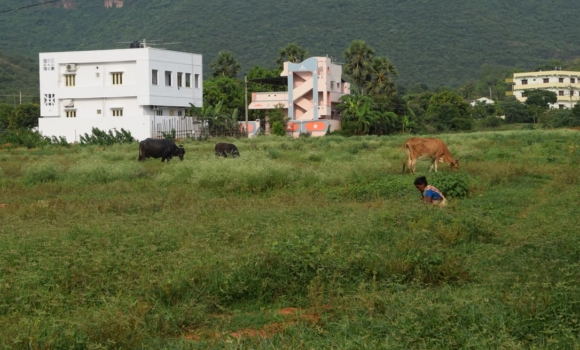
{"x":164,"y":149}
{"x":223,"y":149}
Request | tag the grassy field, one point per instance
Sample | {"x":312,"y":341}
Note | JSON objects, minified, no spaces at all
{"x":298,"y":244}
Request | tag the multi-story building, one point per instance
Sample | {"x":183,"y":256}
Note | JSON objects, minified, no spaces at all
{"x":565,"y":84}
{"x":144,"y":90}
{"x":314,"y":89}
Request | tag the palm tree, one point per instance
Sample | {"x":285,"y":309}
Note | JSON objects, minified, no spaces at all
{"x":225,"y":65}
{"x":358,"y":63}
{"x":381,"y":73}
{"x":291,"y":53}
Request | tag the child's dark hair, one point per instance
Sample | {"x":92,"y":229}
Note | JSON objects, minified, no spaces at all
{"x":421,"y":181}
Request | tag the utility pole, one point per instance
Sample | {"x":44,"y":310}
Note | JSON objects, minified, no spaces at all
{"x":246,"y":99}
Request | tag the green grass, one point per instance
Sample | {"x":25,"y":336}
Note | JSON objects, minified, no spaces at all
{"x":98,"y":250}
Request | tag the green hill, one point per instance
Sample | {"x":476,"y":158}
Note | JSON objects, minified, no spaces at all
{"x":441,"y":42}
{"x":18,"y":75}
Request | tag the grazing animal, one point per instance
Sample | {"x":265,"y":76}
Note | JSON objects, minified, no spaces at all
{"x":223,"y":149}
{"x":433,"y":148}
{"x":164,"y":149}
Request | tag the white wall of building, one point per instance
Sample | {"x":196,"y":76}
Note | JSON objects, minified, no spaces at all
{"x":97,"y":92}
{"x":73,"y":128}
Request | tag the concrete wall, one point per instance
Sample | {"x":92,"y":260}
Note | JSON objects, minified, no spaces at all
{"x":73,"y":128}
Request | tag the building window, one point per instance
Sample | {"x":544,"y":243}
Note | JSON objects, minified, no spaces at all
{"x":154,"y":76}
{"x":71,"y":113}
{"x":196,"y":81}
{"x":560,"y":80}
{"x":524,"y":81}
{"x":180,"y":113}
{"x":187,"y":79}
{"x":117,"y":78}
{"x":171,"y":113}
{"x":167,"y":78}
{"x":572,"y":80}
{"x":117,"y":112}
{"x":49,"y":99}
{"x":561,"y":106}
{"x":571,"y":92}
{"x":48,"y":64}
{"x":97,"y":74}
{"x":98,"y":111}
{"x":180,"y":79}
{"x":69,"y":79}
{"x":159,"y":112}
{"x":560,"y":93}
{"x":546,"y":80}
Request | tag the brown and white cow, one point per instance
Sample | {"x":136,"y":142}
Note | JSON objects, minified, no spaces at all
{"x":435,"y":149}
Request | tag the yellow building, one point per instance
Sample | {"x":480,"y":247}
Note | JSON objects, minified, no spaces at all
{"x":566,"y":85}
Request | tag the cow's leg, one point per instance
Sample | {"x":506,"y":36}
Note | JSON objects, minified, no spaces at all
{"x":412,"y":163}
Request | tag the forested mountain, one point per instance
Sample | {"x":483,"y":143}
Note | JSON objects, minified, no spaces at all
{"x":18,"y":75}
{"x":437,"y":42}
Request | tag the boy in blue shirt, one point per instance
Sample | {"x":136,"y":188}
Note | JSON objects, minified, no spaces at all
{"x":429,"y":194}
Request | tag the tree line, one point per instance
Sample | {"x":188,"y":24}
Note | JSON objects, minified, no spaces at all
{"x":377,"y":105}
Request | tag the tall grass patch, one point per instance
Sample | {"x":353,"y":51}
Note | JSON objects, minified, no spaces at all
{"x":42,"y":172}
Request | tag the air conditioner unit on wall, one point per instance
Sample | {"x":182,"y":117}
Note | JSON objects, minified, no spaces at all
{"x":71,"y":67}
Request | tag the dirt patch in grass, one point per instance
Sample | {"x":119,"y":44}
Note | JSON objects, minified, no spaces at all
{"x":292,"y":316}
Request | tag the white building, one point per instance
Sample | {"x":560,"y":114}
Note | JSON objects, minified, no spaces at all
{"x":485,"y":100}
{"x":143,"y":90}
{"x":566,"y":85}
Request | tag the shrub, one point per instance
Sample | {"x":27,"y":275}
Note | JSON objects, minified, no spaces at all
{"x":103,"y":138}
{"x":29,"y":139}
{"x":169,"y":136}
{"x":491,"y":122}
{"x":453,"y":185}
{"x":41,"y":173}
{"x":278,"y":129}
{"x":305,"y":134}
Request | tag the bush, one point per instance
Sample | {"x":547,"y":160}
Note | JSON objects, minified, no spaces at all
{"x":102,"y":138}
{"x":491,"y":122}
{"x":41,"y":173}
{"x":278,"y":129}
{"x":29,"y":139}
{"x":453,"y":185}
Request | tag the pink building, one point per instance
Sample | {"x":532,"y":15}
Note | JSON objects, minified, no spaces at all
{"x":314,"y":89}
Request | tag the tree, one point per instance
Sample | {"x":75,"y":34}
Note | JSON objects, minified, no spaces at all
{"x":514,"y":111}
{"x":218,"y":120}
{"x":359,"y":59}
{"x":380,"y":78}
{"x":540,"y":98}
{"x":453,"y":99}
{"x":278,"y":120}
{"x":6,"y":111}
{"x":225,"y":65}
{"x":291,"y":53}
{"x":24,"y":116}
{"x":491,"y":81}
{"x":467,"y":90}
{"x":449,"y":111}
{"x":228,"y":91}
{"x":357,"y":113}
{"x":538,"y":102}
